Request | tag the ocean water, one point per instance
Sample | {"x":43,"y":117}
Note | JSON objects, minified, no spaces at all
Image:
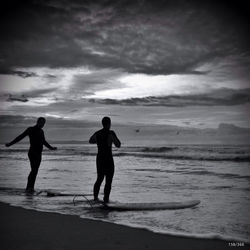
{"x":217,"y":175}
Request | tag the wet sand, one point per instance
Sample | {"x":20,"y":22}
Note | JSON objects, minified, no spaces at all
{"x":33,"y":230}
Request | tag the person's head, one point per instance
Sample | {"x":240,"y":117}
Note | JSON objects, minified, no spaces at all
{"x":40,"y":122}
{"x":106,"y":122}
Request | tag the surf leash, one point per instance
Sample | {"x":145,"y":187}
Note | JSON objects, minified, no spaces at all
{"x":84,"y":196}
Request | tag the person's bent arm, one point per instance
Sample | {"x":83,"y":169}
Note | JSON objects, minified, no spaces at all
{"x":92,"y":139}
{"x":18,"y":138}
{"x":47,"y":145}
{"x":115,"y":140}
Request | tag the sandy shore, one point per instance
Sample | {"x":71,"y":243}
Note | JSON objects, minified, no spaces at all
{"x":32,"y":230}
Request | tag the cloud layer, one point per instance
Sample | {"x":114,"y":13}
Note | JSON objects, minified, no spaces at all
{"x":163,"y":37}
{"x":151,"y":62}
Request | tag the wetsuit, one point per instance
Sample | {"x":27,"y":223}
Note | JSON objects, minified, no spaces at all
{"x":37,"y":140}
{"x":104,"y":160}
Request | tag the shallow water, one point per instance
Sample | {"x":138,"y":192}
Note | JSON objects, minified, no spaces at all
{"x":218,"y":176}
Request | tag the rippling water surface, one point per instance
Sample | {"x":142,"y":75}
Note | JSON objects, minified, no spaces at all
{"x":217,"y":175}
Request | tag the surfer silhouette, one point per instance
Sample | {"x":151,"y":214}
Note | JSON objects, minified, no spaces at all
{"x":104,"y":139}
{"x":37,"y":140}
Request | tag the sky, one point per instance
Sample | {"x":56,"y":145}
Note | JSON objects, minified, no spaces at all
{"x":146,"y":64}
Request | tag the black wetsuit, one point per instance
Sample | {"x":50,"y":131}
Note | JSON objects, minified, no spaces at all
{"x":37,"y":140}
{"x":104,"y":161}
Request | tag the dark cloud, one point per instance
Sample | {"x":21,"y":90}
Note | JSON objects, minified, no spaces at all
{"x":153,"y":37}
{"x":50,"y":76}
{"x":38,"y":92}
{"x":220,"y":97}
{"x":17,"y":98}
{"x":20,"y":73}
{"x":24,"y":96}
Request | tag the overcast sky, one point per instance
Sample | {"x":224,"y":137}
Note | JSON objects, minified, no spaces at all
{"x":183,"y":63}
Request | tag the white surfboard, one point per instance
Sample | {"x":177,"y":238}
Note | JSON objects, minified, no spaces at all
{"x":150,"y":206}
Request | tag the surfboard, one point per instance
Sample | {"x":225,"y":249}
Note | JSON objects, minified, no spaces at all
{"x":51,"y":193}
{"x":150,"y":206}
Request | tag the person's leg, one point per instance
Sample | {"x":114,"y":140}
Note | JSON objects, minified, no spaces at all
{"x":35,"y":161}
{"x":98,"y":183}
{"x":108,"y":184}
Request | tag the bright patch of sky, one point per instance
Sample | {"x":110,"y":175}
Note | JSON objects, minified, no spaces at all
{"x":141,"y":85}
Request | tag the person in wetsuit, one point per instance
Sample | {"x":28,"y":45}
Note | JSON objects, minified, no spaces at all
{"x":37,"y":140}
{"x":104,"y":139}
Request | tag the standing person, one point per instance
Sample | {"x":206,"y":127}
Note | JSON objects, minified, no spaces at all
{"x":104,"y":160}
{"x":37,"y":140}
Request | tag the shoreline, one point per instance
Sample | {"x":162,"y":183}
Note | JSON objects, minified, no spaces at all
{"x":30,"y":229}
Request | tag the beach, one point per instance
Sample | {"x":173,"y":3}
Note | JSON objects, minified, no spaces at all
{"x":28,"y":229}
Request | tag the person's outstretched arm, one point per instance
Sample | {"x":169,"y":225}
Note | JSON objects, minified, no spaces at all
{"x":115,"y":140}
{"x":92,"y":139}
{"x":18,"y":138}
